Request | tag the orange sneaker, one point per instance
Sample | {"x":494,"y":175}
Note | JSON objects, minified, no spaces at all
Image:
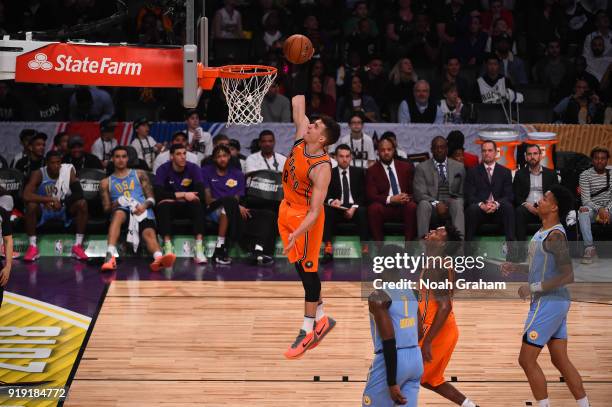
{"x":302,"y":343}
{"x":163,"y":262}
{"x":110,"y":263}
{"x":322,"y":328}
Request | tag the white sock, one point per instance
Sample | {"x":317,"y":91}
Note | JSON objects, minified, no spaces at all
{"x":79,"y":239}
{"x":583,"y":402}
{"x":544,"y":403}
{"x":157,"y":255}
{"x":112,"y":249}
{"x":468,"y":403}
{"x":320,"y":312}
{"x":220,"y":241}
{"x":258,"y":248}
{"x":32,"y":241}
{"x":308,"y":324}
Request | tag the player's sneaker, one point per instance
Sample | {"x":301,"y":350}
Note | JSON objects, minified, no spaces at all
{"x":303,"y":342}
{"x":110,"y":263}
{"x":220,"y":256}
{"x":198,"y":253}
{"x":322,"y":328}
{"x":258,"y":257}
{"x":590,"y":254}
{"x":163,"y":262}
{"x":31,"y":254}
{"x":78,"y":252}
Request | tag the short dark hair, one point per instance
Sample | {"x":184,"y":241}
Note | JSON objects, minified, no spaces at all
{"x":219,"y":137}
{"x":120,"y":148}
{"x":191,"y":112}
{"x":175,"y":147}
{"x":433,"y":140}
{"x":451,"y":56}
{"x":454,"y":239}
{"x":489,"y":142}
{"x":266,"y":132}
{"x":342,"y":147}
{"x":491,"y":56}
{"x":357,"y":113}
{"x":528,"y":146}
{"x":565,"y":200}
{"x":332,"y":130}
{"x":448,"y":86}
{"x":388,"y":138}
{"x":179,"y":134}
{"x":53,"y":153}
{"x":38,"y":135}
{"x":456,"y":137}
{"x":26,"y":134}
{"x":235,"y":143}
{"x":221,"y":148}
{"x":58,"y":137}
{"x":600,"y":149}
{"x":389,"y":134}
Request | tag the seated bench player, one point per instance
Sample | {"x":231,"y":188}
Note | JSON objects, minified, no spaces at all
{"x":128,"y":195}
{"x":54,"y":192}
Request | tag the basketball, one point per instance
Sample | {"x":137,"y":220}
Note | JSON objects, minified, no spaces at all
{"x":298,"y":49}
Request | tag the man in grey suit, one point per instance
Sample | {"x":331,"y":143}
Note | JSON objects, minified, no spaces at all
{"x":438,"y":189}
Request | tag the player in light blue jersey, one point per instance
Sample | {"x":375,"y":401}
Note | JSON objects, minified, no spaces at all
{"x":550,"y":270}
{"x":128,"y":193}
{"x":395,"y":375}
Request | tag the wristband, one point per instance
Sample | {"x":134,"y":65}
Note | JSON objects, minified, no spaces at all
{"x":535,"y":287}
{"x":152,"y":201}
{"x":390,"y":354}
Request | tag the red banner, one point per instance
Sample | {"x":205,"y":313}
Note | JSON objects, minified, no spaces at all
{"x":102,"y":66}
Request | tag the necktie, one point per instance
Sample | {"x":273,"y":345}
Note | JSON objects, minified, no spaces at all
{"x":441,"y":172}
{"x":490,"y":175}
{"x":346,"y":200}
{"x":393,"y":181}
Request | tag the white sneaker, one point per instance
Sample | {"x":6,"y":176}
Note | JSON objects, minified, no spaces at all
{"x":590,"y":254}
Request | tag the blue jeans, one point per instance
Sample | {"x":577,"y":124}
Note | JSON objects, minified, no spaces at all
{"x":585,"y":219}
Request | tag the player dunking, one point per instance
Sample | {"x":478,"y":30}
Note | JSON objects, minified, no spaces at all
{"x":550,"y":270}
{"x":306,"y":176}
{"x":440,"y":332}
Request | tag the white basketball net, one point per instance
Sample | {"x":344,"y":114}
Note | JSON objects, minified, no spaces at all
{"x":245,"y":95}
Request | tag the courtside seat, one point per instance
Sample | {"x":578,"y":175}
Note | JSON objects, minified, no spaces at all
{"x":90,"y":182}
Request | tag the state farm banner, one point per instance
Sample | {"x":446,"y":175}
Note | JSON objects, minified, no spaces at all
{"x":102,"y":66}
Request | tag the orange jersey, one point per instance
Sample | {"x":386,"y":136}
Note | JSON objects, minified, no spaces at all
{"x":297,"y":185}
{"x":444,"y":343}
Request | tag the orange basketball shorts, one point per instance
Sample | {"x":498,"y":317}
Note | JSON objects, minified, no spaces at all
{"x":442,"y":349}
{"x":308,"y":246}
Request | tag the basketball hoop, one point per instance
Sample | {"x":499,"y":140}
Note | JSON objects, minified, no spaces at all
{"x":244,"y":87}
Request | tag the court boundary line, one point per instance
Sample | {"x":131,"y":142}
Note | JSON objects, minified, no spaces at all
{"x":90,"y":329}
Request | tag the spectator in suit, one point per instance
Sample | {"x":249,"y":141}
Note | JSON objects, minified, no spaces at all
{"x":438,"y":189}
{"x":488,"y":191}
{"x":529,"y":185}
{"x":421,"y":108}
{"x":596,"y":196}
{"x":345,"y":200}
{"x":389,"y":192}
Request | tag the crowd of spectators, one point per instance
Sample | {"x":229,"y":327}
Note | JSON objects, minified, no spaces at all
{"x":206,"y":179}
{"x":404,"y":60}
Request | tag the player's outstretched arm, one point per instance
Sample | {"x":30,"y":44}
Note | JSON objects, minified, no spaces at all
{"x":298,"y":105}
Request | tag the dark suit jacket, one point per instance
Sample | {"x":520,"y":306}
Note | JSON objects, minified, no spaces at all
{"x":522,"y":183}
{"x":377,"y":183}
{"x":478,"y":188}
{"x":356,"y":184}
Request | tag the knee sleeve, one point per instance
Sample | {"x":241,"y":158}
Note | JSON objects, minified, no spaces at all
{"x":311,"y":283}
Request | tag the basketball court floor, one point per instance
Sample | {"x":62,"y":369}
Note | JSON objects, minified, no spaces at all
{"x":215,"y":336}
